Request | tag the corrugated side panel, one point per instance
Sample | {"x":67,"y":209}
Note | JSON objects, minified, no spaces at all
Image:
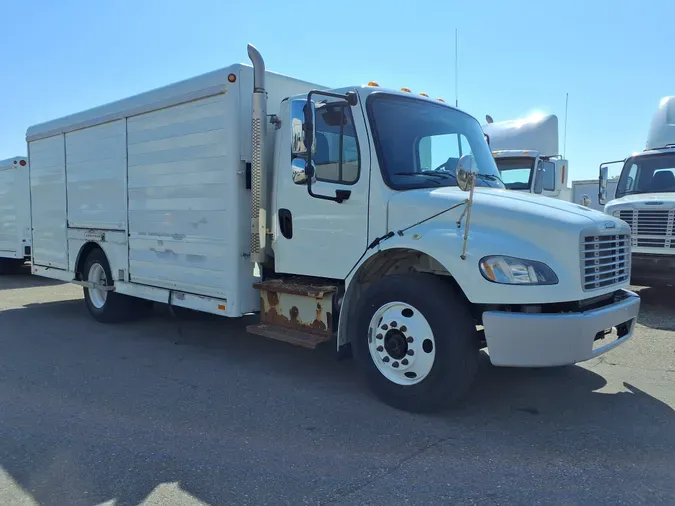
{"x":9,"y":232}
{"x":48,"y":201}
{"x":183,"y":201}
{"x":96,"y":172}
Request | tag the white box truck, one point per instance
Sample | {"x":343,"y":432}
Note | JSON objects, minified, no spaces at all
{"x":645,"y":199}
{"x":527,"y":155}
{"x":585,"y":192}
{"x":15,"y":235}
{"x":243,"y":191}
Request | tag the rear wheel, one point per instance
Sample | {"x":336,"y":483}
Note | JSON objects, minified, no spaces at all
{"x":416,"y":342}
{"x":104,"y":305}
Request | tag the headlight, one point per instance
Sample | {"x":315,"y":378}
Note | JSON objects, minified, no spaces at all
{"x":516,"y":271}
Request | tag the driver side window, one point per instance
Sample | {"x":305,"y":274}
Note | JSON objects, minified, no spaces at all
{"x":336,"y":155}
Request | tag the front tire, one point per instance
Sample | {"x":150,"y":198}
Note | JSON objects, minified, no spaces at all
{"x":416,"y":342}
{"x":104,"y":306}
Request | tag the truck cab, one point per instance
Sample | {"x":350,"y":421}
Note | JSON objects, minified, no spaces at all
{"x":645,"y":199}
{"x":526,"y":154}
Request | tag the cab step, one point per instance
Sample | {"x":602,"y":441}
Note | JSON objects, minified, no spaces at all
{"x":296,"y":311}
{"x":295,"y":337}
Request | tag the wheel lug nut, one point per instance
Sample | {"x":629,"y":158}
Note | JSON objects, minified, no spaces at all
{"x":384,"y":327}
{"x":380,"y":348}
{"x":410,"y":352}
{"x":379,"y":336}
{"x":404,"y":361}
{"x":410,"y":339}
{"x":385,"y":359}
{"x":393,"y":324}
{"x":404,"y":328}
{"x":394,"y":364}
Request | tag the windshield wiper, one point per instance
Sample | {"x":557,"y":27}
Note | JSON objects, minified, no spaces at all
{"x":419,"y":174}
{"x":490,"y":177}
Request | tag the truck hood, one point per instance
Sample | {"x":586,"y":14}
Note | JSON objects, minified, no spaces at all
{"x":651,"y":200}
{"x":492,"y":205}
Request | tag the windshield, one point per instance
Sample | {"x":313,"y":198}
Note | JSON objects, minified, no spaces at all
{"x":647,"y":174}
{"x":419,"y":143}
{"x":516,"y":172}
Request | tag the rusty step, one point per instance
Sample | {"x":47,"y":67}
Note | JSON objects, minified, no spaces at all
{"x":299,"y":305}
{"x":287,"y":335}
{"x":297,"y":286}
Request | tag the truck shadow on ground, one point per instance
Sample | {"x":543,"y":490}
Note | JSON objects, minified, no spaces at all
{"x":195,"y":400}
{"x":657,"y":308}
{"x":22,"y":278}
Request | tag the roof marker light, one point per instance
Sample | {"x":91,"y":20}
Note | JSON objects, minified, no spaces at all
{"x":406,"y":90}
{"x":373,"y":84}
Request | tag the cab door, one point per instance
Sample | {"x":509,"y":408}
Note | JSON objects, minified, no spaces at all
{"x":321,"y":235}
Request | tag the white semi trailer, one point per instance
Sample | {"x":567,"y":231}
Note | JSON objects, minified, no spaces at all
{"x":15,"y":235}
{"x":243,"y":191}
{"x":527,"y":155}
{"x":645,"y":199}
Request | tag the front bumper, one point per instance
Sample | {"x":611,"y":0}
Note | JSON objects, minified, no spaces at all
{"x":652,"y":270}
{"x":554,"y":339}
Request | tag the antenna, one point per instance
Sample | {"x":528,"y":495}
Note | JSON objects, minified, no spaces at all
{"x":456,"y":72}
{"x":567,"y":99}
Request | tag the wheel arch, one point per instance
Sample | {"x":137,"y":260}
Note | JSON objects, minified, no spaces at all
{"x":82,"y":255}
{"x":398,"y":259}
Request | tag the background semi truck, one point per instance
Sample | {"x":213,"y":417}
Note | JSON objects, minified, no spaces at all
{"x":645,"y":199}
{"x":368,"y":217}
{"x":527,"y":155}
{"x":15,"y":234}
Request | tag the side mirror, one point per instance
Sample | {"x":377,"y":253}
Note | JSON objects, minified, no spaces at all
{"x":585,"y":201}
{"x":466,"y":172}
{"x":602,"y":185}
{"x":299,"y":141}
{"x":538,"y":185}
{"x":300,"y":173}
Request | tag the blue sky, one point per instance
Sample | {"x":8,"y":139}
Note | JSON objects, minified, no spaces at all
{"x":614,"y":58}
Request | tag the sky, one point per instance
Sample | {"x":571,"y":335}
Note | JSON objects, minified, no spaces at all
{"x":613,"y":58}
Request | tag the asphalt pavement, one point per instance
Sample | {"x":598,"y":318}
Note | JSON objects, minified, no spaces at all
{"x":192,"y":410}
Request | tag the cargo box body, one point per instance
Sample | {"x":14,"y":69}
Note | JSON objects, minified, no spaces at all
{"x":159,"y":182}
{"x":14,"y":209}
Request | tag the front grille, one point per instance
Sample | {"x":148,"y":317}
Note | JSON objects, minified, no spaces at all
{"x":605,"y":260}
{"x":650,"y":228}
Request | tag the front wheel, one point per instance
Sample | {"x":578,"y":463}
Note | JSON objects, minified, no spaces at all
{"x":416,"y":342}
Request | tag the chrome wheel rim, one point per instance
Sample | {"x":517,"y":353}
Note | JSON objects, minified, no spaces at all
{"x":401,"y":343}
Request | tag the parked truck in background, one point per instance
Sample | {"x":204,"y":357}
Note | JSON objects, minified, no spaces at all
{"x":15,"y":234}
{"x":585,"y":192}
{"x":370,"y":217}
{"x":527,"y":155}
{"x":645,"y":199}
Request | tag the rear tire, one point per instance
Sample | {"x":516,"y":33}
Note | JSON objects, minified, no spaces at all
{"x":105,"y":306}
{"x":416,"y":342}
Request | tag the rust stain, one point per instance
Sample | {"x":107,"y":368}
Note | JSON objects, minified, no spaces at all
{"x":273,"y":313}
{"x":273,"y":298}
